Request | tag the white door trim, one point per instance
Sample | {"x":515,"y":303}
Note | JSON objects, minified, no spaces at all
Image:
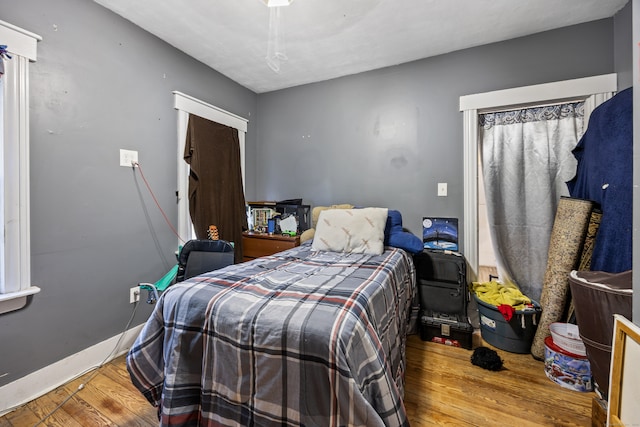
{"x":186,"y":105}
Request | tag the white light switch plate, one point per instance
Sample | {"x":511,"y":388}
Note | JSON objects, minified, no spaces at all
{"x":442,"y":189}
{"x":128,"y":157}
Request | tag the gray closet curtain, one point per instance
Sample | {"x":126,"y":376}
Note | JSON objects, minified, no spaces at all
{"x":526,"y":160}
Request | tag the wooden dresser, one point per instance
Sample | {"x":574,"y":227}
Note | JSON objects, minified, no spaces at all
{"x":255,"y":245}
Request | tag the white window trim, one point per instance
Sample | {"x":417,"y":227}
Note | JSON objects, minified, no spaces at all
{"x":186,"y":105}
{"x":15,"y":287}
{"x":472,"y":105}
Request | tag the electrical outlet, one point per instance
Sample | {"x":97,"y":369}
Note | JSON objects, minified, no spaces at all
{"x":134,"y":294}
{"x":128,"y":157}
{"x":442,"y":189}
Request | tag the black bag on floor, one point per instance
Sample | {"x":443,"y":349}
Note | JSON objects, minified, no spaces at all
{"x":442,"y":287}
{"x":442,"y":281}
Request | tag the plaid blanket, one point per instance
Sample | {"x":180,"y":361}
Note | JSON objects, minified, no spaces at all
{"x":297,"y":338}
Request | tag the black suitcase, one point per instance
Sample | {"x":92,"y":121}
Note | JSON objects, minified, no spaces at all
{"x":442,"y":281}
{"x":442,"y":287}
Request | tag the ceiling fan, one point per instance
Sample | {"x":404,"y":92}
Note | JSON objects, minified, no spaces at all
{"x":276,"y":50}
{"x":277,"y":3}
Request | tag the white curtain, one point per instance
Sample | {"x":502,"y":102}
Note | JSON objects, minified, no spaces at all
{"x":526,"y":160}
{"x":592,"y":102}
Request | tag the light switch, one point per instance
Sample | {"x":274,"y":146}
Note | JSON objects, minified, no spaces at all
{"x":442,"y":189}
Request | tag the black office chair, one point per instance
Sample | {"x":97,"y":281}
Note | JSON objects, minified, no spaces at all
{"x":201,"y":256}
{"x":196,"y":257}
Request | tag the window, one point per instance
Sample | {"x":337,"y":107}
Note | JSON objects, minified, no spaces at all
{"x":15,"y":254}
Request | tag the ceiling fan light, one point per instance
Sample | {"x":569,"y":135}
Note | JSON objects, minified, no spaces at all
{"x":277,"y":3}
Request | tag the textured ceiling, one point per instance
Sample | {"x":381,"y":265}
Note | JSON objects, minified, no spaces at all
{"x":325,"y":39}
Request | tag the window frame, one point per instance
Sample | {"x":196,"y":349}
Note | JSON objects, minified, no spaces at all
{"x":15,"y":267}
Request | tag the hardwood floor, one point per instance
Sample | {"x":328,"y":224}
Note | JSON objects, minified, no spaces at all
{"x":442,"y":388}
{"x":109,"y":399}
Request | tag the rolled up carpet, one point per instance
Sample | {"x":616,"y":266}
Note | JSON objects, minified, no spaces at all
{"x":565,"y":249}
{"x":587,"y":252}
{"x":590,"y":239}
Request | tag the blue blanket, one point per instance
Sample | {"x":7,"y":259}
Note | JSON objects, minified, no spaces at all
{"x":605,"y":175}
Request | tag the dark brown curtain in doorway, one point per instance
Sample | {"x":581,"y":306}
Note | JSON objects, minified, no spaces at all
{"x":216,"y":196}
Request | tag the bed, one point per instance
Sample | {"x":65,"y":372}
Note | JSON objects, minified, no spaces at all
{"x":304,"y":337}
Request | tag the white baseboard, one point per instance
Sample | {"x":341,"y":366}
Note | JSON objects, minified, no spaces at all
{"x":50,"y":377}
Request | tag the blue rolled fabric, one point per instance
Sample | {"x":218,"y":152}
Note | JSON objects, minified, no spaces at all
{"x":396,"y":236}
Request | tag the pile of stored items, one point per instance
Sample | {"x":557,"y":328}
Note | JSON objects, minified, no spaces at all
{"x":508,"y":319}
{"x":442,"y":287}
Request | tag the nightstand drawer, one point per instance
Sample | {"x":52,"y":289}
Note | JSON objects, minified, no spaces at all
{"x":257,"y":245}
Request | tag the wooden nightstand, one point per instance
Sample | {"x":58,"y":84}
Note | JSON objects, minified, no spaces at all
{"x":255,"y":245}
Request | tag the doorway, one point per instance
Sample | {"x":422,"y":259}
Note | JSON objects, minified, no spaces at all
{"x":186,"y":105}
{"x":487,"y":264}
{"x":591,"y":90}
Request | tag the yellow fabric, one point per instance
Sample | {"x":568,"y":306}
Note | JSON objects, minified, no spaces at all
{"x":307,"y":235}
{"x":495,"y":293}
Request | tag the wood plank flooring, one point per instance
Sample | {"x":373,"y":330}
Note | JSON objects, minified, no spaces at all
{"x":442,"y":388}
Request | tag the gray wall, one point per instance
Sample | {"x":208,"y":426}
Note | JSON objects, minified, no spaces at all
{"x":387,"y":137}
{"x":100,"y":84}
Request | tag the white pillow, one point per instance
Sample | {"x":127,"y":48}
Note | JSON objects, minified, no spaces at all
{"x":351,"y":230}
